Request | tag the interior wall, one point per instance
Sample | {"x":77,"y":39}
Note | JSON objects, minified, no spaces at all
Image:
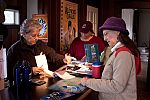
{"x":32,"y":8}
{"x":127,"y":15}
{"x":144,"y":27}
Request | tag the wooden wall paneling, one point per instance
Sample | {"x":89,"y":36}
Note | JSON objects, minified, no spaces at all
{"x":11,"y":3}
{"x":50,"y":24}
{"x":12,"y":36}
{"x":54,"y":24}
{"x":134,"y":4}
{"x":56,"y":31}
{"x":93,"y":3}
{"x":75,"y":1}
{"x":23,"y":10}
{"x":52,"y":9}
{"x":82,"y":12}
{"x":41,"y":5}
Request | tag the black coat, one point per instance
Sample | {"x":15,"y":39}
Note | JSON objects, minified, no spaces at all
{"x":21,"y":51}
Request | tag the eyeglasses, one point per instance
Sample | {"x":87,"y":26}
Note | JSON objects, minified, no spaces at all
{"x":34,"y":35}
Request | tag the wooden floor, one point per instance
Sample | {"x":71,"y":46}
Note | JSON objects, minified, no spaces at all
{"x":143,"y":93}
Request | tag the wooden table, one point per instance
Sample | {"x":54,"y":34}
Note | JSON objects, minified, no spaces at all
{"x":33,"y":92}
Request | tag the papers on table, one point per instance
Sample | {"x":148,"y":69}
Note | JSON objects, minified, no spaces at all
{"x":41,"y":61}
{"x":83,"y":69}
{"x":65,"y":75}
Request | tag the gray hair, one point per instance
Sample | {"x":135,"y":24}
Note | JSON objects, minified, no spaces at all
{"x":28,"y":25}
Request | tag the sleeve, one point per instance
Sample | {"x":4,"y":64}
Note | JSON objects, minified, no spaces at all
{"x":71,"y":49}
{"x":120,"y":77}
{"x":54,"y":59}
{"x":11,"y":61}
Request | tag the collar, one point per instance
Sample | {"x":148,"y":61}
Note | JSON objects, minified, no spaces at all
{"x":87,"y":39}
{"x":24,"y":44}
{"x":119,"y":44}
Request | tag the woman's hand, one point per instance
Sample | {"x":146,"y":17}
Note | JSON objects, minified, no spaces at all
{"x":67,"y":58}
{"x":37,"y":70}
{"x":83,"y":58}
{"x":44,"y":74}
{"x":83,"y":81}
{"x":40,"y":70}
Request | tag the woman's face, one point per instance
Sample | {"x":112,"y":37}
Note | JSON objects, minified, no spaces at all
{"x":32,"y":37}
{"x":111,"y":37}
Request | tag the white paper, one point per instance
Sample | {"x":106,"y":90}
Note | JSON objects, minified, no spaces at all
{"x":65,"y":76}
{"x":3,"y":64}
{"x":41,"y":61}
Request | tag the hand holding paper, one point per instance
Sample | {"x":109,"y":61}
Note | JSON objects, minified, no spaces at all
{"x":41,"y":61}
{"x":68,"y":59}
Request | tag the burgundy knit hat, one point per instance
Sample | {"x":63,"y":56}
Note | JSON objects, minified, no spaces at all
{"x":86,"y":27}
{"x":116,"y":24}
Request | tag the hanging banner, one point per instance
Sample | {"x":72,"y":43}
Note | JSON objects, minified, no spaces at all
{"x":43,"y":20}
{"x":68,"y":24}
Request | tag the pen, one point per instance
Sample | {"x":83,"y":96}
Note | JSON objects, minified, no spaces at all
{"x":67,"y":86}
{"x":72,"y":88}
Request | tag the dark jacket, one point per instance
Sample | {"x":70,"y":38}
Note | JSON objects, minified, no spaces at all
{"x":21,"y":51}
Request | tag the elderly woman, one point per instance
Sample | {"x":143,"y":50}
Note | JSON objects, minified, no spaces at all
{"x":30,"y":46}
{"x":118,"y":81}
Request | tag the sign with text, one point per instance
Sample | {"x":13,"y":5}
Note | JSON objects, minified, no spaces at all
{"x":68,"y":24}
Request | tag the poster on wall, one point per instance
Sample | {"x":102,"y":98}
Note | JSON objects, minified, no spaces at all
{"x":68,"y":24}
{"x":43,"y":20}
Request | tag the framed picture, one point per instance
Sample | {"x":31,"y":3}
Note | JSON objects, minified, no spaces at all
{"x":68,"y":24}
{"x":43,"y":20}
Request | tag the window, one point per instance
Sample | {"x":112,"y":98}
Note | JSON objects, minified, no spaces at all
{"x":92,"y":16}
{"x":11,"y":17}
{"x":127,"y":15}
